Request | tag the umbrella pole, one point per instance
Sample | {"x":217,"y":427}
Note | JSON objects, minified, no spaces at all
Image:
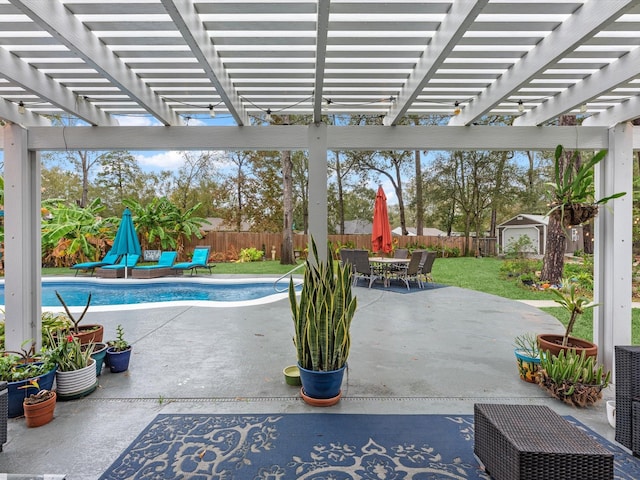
{"x":126,"y":260}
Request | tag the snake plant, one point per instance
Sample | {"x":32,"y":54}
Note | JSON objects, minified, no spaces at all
{"x":322,"y":317}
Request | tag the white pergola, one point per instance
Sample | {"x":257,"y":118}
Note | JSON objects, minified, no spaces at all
{"x":172,"y":62}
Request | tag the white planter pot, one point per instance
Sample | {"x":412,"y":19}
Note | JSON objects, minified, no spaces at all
{"x":77,"y":383}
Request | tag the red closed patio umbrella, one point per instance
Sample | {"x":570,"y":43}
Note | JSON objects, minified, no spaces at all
{"x":381,"y":233}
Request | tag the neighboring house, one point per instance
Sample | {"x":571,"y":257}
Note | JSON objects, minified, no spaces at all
{"x":426,"y":231}
{"x":535,"y":227}
{"x":354,"y":227}
{"x":217,"y":224}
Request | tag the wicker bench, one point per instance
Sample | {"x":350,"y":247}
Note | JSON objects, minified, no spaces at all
{"x":532,"y":442}
{"x":4,"y":412}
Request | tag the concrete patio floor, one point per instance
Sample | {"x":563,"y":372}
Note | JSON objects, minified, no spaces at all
{"x":439,"y":350}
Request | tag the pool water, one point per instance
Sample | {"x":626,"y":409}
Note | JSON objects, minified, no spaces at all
{"x":75,"y":293}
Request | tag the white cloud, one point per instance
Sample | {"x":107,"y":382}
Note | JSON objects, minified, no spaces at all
{"x":136,"y":120}
{"x":171,"y":160}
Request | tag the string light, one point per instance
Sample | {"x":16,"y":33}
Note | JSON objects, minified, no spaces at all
{"x":456,"y":110}
{"x":583,"y":108}
{"x":212,"y":112}
{"x":21,"y":109}
{"x":520,"y":106}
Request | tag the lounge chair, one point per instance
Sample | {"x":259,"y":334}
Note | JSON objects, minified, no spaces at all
{"x":160,"y":269}
{"x":200,"y":259}
{"x":117,"y":270}
{"x":109,"y":259}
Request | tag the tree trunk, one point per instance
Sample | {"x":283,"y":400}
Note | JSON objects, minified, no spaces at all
{"x":587,"y":237}
{"x":556,"y":244}
{"x":419,"y":200}
{"x":286,"y":251}
{"x":553,"y":264}
{"x":340,"y":195}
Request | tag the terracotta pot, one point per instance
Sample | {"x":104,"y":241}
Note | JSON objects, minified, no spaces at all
{"x":90,"y":333}
{"x":41,"y":413}
{"x":553,"y":343}
{"x":320,"y":402}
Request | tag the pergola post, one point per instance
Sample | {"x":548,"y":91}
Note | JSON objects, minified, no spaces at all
{"x":22,"y":259}
{"x":318,"y":174}
{"x":613,"y":246}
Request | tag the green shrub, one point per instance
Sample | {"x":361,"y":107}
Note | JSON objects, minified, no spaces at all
{"x":250,"y":255}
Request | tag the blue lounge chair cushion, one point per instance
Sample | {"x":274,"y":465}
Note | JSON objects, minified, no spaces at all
{"x":109,"y":259}
{"x":130,"y":260}
{"x":200,"y":259}
{"x":166,"y":260}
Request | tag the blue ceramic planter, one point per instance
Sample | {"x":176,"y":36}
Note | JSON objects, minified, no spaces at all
{"x":16,"y":395}
{"x":321,"y":385}
{"x":99,"y":356}
{"x":118,"y":361}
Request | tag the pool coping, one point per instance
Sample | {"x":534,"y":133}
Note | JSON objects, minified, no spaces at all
{"x":176,"y":303}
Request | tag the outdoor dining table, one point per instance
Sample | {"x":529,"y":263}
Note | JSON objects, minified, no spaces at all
{"x":388,"y":265}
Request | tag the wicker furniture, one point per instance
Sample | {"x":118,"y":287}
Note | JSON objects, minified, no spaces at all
{"x":532,"y":442}
{"x":627,"y":360}
{"x":4,"y":412}
{"x":153,"y":272}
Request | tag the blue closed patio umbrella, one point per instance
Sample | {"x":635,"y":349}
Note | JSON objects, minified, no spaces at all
{"x":126,"y":241}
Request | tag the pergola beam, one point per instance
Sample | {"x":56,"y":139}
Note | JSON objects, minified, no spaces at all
{"x":184,"y":15}
{"x":624,"y":112}
{"x":461,"y":15}
{"x":609,"y":77}
{"x":293,"y":137}
{"x":10,"y":111}
{"x":582,"y":25}
{"x":322,"y":32}
{"x":33,"y":80}
{"x":53,"y":17}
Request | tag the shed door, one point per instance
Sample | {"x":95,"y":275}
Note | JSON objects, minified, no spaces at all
{"x":513,"y":234}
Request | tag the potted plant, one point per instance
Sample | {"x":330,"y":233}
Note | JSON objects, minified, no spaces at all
{"x":567,"y":296}
{"x":322,"y":319}
{"x":573,"y":377}
{"x":39,"y":406}
{"x":527,"y":356}
{"x":76,"y":373}
{"x":118,"y":352}
{"x":572,"y":191}
{"x":19,"y":369}
{"x":85,"y":333}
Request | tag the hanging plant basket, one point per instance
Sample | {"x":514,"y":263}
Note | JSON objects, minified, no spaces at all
{"x":573,"y":214}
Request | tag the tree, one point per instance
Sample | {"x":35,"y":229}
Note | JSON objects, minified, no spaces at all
{"x":118,"y":173}
{"x":192,"y":176}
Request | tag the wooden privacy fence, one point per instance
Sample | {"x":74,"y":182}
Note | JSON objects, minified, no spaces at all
{"x":226,"y":244}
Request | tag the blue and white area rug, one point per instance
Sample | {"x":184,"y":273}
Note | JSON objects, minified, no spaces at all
{"x":315,"y":447}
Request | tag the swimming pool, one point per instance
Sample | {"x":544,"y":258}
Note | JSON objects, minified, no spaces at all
{"x":159,"y":292}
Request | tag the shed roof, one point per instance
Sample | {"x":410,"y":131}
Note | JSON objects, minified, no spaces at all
{"x":532,"y":218}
